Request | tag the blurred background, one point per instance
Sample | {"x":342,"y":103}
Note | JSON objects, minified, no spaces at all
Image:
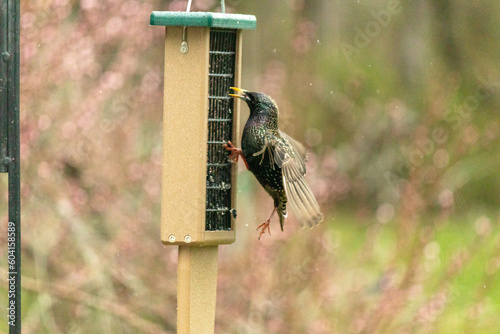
{"x":398,"y":102}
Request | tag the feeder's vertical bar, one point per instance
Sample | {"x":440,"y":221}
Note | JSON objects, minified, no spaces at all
{"x":236,"y":120}
{"x":196,"y":289}
{"x":10,"y":155}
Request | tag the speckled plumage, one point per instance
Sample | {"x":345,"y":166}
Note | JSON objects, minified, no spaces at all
{"x":261,"y":126}
{"x":277,"y":160}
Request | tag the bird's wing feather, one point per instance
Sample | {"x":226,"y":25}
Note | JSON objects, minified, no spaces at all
{"x":299,"y":152}
{"x":291,"y":158}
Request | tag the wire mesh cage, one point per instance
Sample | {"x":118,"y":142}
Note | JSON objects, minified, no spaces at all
{"x":202,"y":62}
{"x":220,"y":124}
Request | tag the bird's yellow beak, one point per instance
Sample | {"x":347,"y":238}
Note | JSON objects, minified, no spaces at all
{"x":241,"y":93}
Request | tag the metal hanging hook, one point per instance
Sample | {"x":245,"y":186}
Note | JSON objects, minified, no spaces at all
{"x":184,"y":43}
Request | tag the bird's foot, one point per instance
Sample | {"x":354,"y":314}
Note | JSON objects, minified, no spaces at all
{"x":235,"y":153}
{"x":265,"y":226}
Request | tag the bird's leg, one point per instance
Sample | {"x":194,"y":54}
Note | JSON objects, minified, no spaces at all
{"x":265,"y":225}
{"x":235,"y":153}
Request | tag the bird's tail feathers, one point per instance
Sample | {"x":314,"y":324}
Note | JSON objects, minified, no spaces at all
{"x":303,"y":202}
{"x":282,"y":219}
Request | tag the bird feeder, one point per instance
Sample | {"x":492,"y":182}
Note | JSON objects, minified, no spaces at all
{"x":202,"y":62}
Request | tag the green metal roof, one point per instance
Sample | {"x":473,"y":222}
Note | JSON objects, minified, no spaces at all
{"x":203,"y":19}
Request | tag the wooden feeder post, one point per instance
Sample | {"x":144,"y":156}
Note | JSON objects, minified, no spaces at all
{"x":202,"y":62}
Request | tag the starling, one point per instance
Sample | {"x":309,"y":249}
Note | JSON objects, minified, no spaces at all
{"x":277,"y":161}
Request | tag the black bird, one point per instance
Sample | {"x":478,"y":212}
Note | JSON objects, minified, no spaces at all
{"x":277,"y":161}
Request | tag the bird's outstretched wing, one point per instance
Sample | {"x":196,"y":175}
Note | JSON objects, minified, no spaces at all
{"x":290,"y":156}
{"x":299,"y":152}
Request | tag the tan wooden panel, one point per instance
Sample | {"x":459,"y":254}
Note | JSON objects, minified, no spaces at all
{"x":185,"y":116}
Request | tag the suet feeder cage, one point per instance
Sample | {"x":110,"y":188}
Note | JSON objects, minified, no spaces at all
{"x":202,"y":62}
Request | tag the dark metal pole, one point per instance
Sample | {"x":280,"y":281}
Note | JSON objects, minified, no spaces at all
{"x":9,"y":151}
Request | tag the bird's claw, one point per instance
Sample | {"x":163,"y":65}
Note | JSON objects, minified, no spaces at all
{"x":265,"y":226}
{"x":234,"y":152}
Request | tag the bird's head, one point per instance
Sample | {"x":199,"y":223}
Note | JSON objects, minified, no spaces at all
{"x":259,"y":103}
